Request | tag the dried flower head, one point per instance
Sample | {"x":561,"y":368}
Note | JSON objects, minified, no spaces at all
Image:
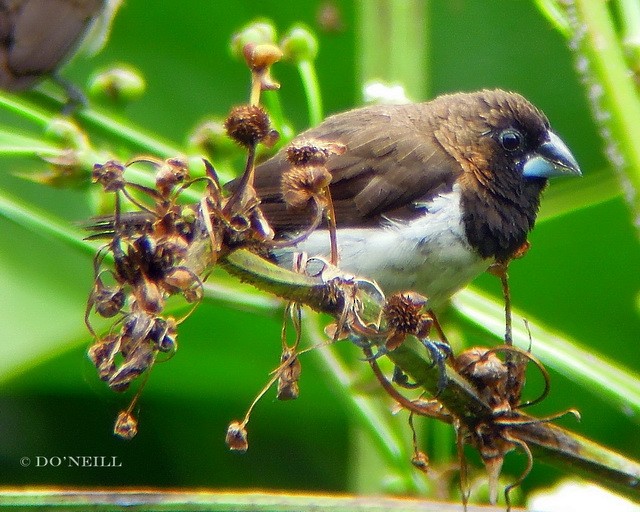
{"x":248,"y":125}
{"x":420,"y":460}
{"x":171,"y":173}
{"x":110,"y":175}
{"x":126,"y":426}
{"x":288,"y":388}
{"x":236,"y":438}
{"x":301,"y":184}
{"x":313,"y":152}
{"x":487,"y":372}
{"x":403,"y":314}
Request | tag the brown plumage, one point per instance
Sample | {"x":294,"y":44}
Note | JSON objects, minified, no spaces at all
{"x":401,"y":156}
{"x":37,"y":35}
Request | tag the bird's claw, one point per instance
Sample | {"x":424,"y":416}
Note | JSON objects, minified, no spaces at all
{"x":439,"y":352}
{"x":401,"y":379}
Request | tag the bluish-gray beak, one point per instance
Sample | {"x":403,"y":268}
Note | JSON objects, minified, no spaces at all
{"x":552,"y":158}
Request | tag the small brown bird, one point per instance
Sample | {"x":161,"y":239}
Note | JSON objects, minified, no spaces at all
{"x":427,"y":196}
{"x":37,"y":35}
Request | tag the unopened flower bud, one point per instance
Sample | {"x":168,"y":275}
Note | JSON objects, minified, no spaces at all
{"x":300,"y":44}
{"x":119,"y":84}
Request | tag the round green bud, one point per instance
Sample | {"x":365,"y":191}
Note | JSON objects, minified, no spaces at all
{"x":119,"y":84}
{"x":300,"y":44}
{"x":210,"y":137}
{"x":66,"y":132}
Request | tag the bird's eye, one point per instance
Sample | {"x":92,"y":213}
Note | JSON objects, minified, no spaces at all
{"x":510,"y":139}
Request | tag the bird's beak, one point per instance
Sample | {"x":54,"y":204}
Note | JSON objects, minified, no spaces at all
{"x":552,"y":158}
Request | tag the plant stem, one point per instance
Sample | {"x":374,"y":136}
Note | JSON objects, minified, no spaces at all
{"x":367,"y":410}
{"x":309,"y":78}
{"x":458,"y":396}
{"x":392,"y":44}
{"x":630,"y":20}
{"x":18,"y":106}
{"x":591,"y":371}
{"x":611,"y":91}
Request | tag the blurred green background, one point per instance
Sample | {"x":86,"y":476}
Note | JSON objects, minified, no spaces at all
{"x":581,"y":277}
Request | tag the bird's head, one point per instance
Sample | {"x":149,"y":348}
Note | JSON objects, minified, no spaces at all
{"x":503,"y":143}
{"x":507,"y":152}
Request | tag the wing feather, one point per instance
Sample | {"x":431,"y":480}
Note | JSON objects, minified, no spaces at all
{"x":392,"y":160}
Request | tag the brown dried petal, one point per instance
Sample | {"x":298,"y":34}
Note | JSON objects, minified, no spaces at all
{"x":149,"y":297}
{"x":182,"y":280}
{"x":138,"y":361}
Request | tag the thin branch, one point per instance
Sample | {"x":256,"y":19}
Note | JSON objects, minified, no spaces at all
{"x":550,"y":442}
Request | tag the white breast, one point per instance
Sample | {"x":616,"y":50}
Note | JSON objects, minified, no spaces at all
{"x":429,"y":255}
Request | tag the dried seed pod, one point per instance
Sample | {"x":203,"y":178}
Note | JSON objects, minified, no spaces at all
{"x":313,"y":152}
{"x":110,"y":175}
{"x":300,"y":184}
{"x":108,"y":301}
{"x":163,"y":334}
{"x":288,"y":388}
{"x":236,"y":438}
{"x":403,"y":314}
{"x":420,"y":460}
{"x":487,"y":372}
{"x":102,"y":355}
{"x":137,"y":361}
{"x":171,"y":173}
{"x":248,"y":125}
{"x":126,"y":426}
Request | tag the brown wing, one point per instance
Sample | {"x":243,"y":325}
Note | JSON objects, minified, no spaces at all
{"x":391,"y":160}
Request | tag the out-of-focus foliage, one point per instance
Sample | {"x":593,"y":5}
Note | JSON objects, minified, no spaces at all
{"x":581,"y":276}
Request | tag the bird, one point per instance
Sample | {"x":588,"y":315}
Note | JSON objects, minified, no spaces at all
{"x":36,"y":36}
{"x":427,"y":196}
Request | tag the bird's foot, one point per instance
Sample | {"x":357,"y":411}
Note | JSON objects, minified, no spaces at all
{"x":439,"y":352}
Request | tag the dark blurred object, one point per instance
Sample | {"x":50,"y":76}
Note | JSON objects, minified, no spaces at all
{"x":36,"y":36}
{"x":329,"y":17}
